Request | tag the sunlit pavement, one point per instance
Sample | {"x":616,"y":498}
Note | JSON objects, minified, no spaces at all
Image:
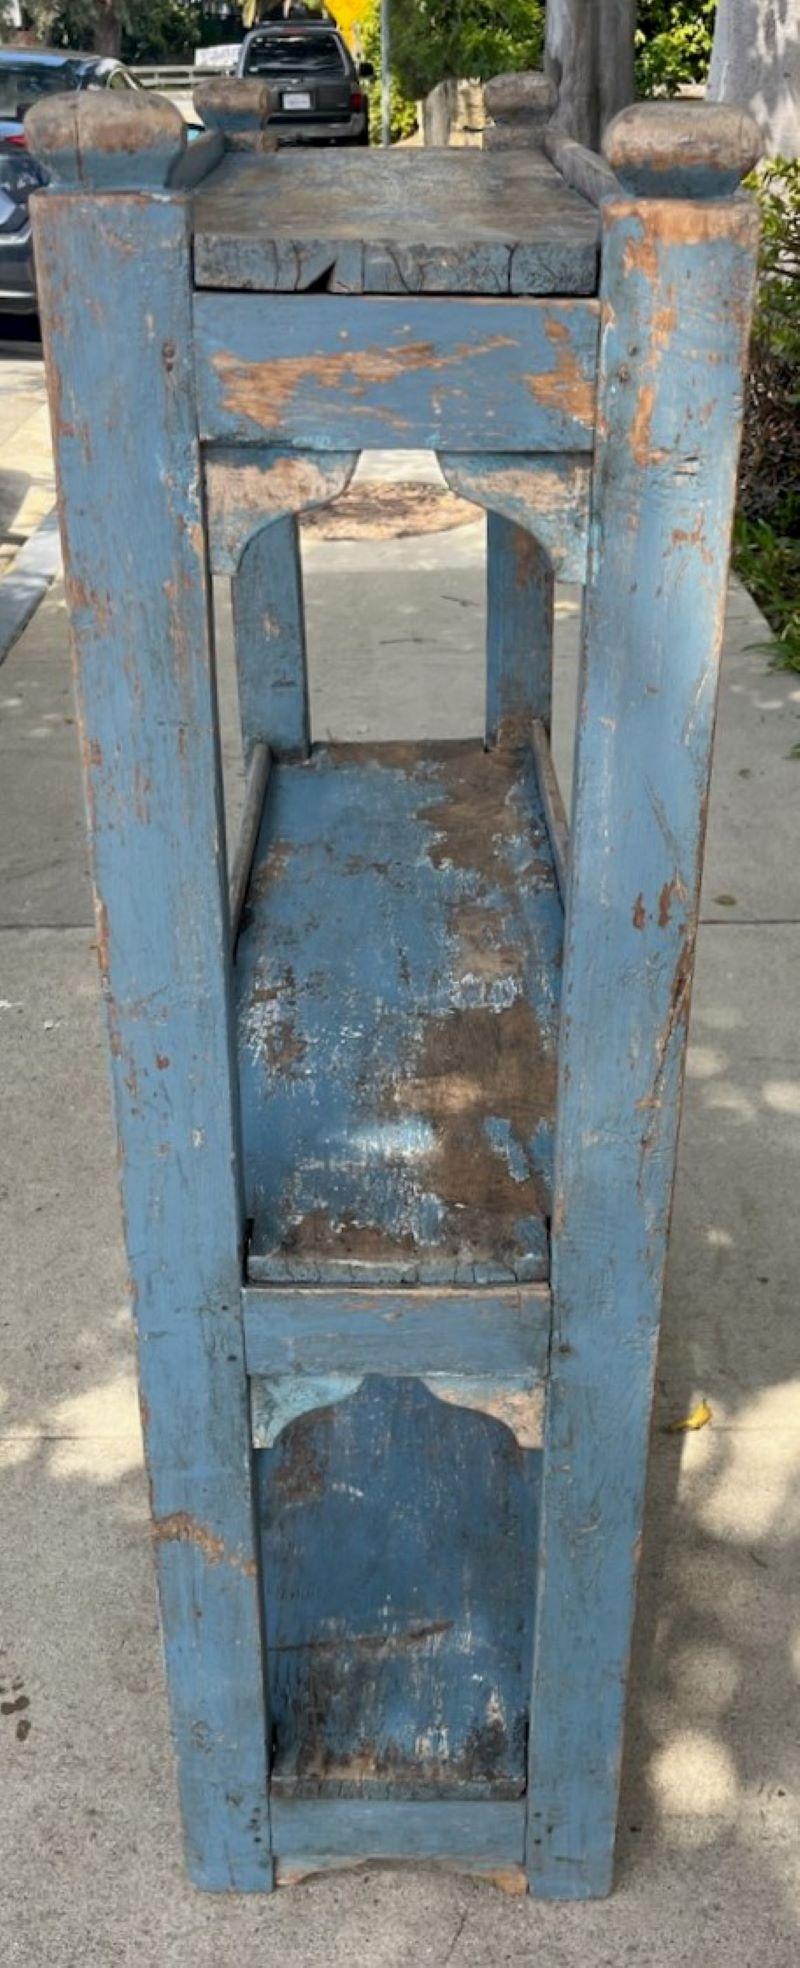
{"x":709,"y":1832}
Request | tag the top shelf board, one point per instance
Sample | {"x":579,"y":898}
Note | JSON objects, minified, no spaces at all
{"x":403,"y":221}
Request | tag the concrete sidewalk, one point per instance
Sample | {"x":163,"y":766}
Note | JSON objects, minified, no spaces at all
{"x":709,"y":1844}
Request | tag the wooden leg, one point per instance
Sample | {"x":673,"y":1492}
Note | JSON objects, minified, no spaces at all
{"x":519,"y":631}
{"x":269,"y":634}
{"x":676,"y":295}
{"x":129,"y":471}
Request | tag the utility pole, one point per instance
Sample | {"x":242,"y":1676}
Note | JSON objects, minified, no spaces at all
{"x":386,"y":80}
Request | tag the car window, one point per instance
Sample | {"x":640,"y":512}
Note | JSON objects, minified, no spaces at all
{"x":122,"y":80}
{"x":277,"y":54}
{"x":22,"y":84}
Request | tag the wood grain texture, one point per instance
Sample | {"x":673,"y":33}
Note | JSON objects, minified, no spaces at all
{"x":108,"y":141}
{"x":682,"y":149}
{"x":449,"y":375}
{"x":270,"y":642}
{"x":248,"y":487}
{"x":676,"y":296}
{"x":397,"y":222}
{"x":548,"y":497}
{"x":552,"y":803}
{"x":519,"y":631}
{"x":399,"y":1537}
{"x":502,"y":1334}
{"x":129,"y":479}
{"x":260,"y":760}
{"x":579,"y":167}
{"x":398,"y":981}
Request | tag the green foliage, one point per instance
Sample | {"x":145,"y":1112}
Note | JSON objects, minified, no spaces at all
{"x":403,"y":109}
{"x":155,"y":29}
{"x":148,"y":30}
{"x":433,"y":39}
{"x":767,"y":541}
{"x":673,"y":44}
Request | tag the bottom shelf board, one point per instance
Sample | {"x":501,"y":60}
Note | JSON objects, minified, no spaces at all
{"x":398,"y":974}
{"x":486,"y":1834}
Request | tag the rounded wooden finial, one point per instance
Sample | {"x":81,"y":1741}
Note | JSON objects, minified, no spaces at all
{"x":521,"y":106}
{"x":238,"y":106}
{"x":682,"y":149}
{"x":107,"y":142}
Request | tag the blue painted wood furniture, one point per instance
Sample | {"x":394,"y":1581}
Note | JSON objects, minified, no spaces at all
{"x":397,"y":1091}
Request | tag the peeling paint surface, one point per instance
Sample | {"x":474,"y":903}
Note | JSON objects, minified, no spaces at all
{"x":399,"y":1541}
{"x":398,"y":987}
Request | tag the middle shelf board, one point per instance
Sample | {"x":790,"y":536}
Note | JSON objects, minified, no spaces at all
{"x":398,"y":976}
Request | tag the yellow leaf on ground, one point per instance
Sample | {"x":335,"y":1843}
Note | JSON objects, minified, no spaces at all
{"x":697,"y":1419}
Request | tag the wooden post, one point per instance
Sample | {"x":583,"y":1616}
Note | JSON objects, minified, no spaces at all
{"x":519,"y":632}
{"x":519,"y":577}
{"x":676,"y":297}
{"x":269,"y":634}
{"x":114,"y":281}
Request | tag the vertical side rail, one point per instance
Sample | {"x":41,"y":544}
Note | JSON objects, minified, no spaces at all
{"x":115,"y":295}
{"x":269,"y":636}
{"x":676,"y":298}
{"x":519,"y":631}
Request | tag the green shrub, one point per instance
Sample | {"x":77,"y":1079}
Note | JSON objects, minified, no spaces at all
{"x":767,"y":538}
{"x":673,"y":44}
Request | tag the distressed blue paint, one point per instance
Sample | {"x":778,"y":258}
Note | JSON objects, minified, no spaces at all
{"x":500,"y":1333}
{"x":519,"y":632}
{"x":128,"y":467}
{"x":399,"y":1542}
{"x":276,"y":1400}
{"x":248,"y":486}
{"x":318,"y":1831}
{"x":270,"y":642}
{"x":676,"y":296}
{"x":546,"y":496}
{"x":398,"y":982}
{"x":441,"y":373}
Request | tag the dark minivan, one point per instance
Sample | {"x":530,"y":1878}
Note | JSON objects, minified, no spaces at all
{"x":316,"y":82}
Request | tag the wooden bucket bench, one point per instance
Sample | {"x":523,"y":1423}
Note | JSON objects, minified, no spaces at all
{"x":397,"y":1090}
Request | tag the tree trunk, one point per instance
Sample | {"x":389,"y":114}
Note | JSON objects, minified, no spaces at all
{"x":756,"y":61}
{"x":107,"y":37}
{"x":589,"y":54}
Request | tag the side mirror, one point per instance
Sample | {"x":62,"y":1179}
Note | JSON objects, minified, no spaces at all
{"x":366,"y":71}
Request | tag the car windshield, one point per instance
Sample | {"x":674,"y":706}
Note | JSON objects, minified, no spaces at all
{"x":277,"y":54}
{"x":22,"y":83}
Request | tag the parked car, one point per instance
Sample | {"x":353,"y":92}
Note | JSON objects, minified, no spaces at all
{"x":27,"y":74}
{"x":316,"y":81}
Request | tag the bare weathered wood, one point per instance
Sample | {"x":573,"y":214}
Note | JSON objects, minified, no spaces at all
{"x":579,"y":167}
{"x":548,"y":496}
{"x":682,"y":149}
{"x":553,"y":804}
{"x":255,"y":789}
{"x":409,"y":221}
{"x":239,"y":108}
{"x":109,"y":141}
{"x":246,"y":488}
{"x":520,"y":106}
